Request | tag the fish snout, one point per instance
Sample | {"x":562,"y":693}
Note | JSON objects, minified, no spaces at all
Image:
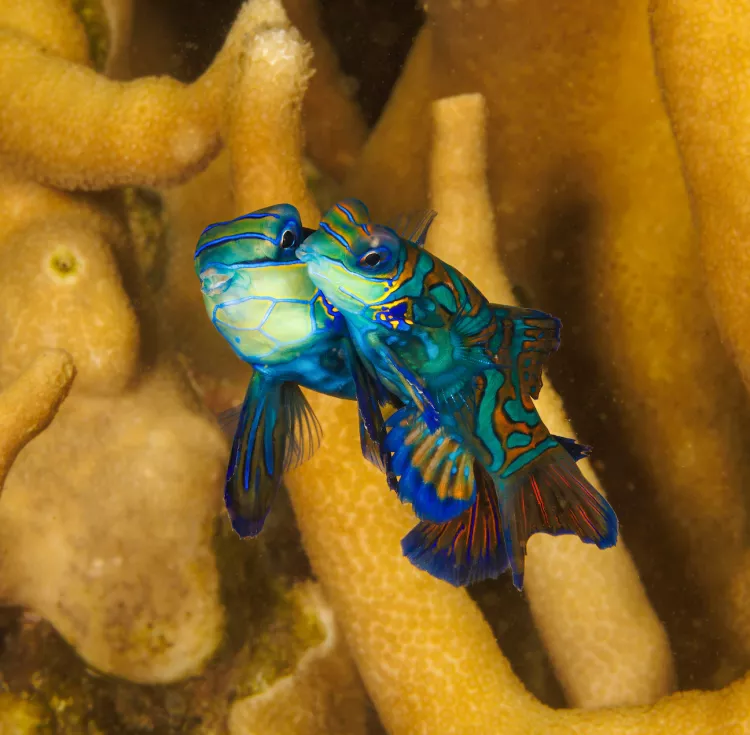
{"x":304,"y":253}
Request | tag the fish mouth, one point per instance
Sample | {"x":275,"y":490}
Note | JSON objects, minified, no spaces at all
{"x":303,"y":253}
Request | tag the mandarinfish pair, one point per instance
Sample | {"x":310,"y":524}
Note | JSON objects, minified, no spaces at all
{"x":361,"y":311}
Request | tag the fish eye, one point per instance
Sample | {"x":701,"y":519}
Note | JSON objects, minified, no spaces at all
{"x":373,"y":258}
{"x":214,"y":282}
{"x":288,"y":240}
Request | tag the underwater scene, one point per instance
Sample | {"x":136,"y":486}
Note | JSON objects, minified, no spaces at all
{"x":374,"y":367}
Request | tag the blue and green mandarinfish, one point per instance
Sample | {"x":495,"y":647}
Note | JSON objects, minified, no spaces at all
{"x":262,"y":301}
{"x":467,"y":372}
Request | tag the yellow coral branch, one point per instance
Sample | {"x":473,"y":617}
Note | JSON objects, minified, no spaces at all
{"x":66,"y":125}
{"x":31,"y":401}
{"x":428,"y":658}
{"x":53,"y":24}
{"x":605,"y":642}
{"x":702,"y":52}
{"x":264,"y":133}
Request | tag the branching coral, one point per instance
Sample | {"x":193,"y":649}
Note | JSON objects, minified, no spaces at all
{"x":604,"y":639}
{"x":400,"y":622}
{"x":158,"y":131}
{"x":107,"y":515}
{"x":264,"y":134}
{"x":702,"y":50}
{"x":53,"y":24}
{"x":29,"y":404}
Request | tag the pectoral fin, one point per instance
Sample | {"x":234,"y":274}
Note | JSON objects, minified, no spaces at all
{"x":436,"y":474}
{"x":415,"y":387}
{"x":277,"y":431}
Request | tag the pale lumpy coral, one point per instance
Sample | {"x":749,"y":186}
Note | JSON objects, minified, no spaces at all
{"x":60,"y":287}
{"x":112,"y":491}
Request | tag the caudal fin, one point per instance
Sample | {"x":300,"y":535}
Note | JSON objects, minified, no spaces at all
{"x":468,"y":548}
{"x":550,"y":495}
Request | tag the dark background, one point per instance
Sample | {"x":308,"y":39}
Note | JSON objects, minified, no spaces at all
{"x":371,"y":38}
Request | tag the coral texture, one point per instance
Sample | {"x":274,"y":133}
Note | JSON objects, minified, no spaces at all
{"x":297,"y":704}
{"x":598,"y":232}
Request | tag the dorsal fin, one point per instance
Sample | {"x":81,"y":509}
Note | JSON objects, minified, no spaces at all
{"x":413,"y":226}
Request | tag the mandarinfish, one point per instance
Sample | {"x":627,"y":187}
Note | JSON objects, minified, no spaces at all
{"x":467,"y":372}
{"x":262,"y":301}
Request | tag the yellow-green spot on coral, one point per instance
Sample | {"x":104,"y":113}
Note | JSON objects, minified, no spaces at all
{"x":64,"y":263}
{"x":275,"y":653}
{"x":96,"y":24}
{"x":21,"y":717}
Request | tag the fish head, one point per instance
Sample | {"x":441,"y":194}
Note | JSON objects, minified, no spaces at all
{"x":228,"y":254}
{"x":355,"y":264}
